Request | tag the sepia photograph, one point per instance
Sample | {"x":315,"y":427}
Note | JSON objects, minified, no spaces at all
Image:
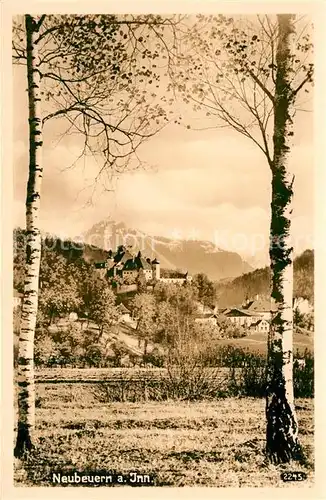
{"x":163,"y":249}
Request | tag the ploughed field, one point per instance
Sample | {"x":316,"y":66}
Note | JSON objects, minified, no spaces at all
{"x":177,"y":443}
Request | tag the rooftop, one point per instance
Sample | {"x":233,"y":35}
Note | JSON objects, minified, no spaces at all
{"x":234,"y":311}
{"x":130,"y":265}
{"x":260,"y":305}
{"x":122,"y":308}
{"x":141,"y":262}
{"x":256,"y":323}
{"x":206,"y":315}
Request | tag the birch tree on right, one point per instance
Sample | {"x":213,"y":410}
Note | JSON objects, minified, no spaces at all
{"x":247,"y":74}
{"x":282,"y":426}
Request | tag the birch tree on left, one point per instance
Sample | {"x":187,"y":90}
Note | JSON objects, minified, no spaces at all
{"x":94,"y":71}
{"x":26,"y":394}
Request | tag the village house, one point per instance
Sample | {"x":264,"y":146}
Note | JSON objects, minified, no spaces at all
{"x":259,"y":307}
{"x":73,"y":316}
{"x":206,"y":315}
{"x":206,"y":318}
{"x":260,"y":326}
{"x":125,"y":314}
{"x":254,"y":314}
{"x":240,"y":317}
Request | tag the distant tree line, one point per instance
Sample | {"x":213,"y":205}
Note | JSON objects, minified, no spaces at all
{"x":248,"y":285}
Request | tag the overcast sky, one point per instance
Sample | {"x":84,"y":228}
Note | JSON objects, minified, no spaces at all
{"x":212,"y":185}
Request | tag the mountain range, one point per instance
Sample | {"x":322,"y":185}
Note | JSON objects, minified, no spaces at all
{"x":194,"y":256}
{"x":236,"y":281}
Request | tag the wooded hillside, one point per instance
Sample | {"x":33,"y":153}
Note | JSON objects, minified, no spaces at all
{"x":234,"y":292}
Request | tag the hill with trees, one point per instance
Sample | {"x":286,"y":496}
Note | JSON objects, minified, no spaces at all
{"x":68,"y":252}
{"x":164,"y":318}
{"x":233,"y":293}
{"x":77,"y":257}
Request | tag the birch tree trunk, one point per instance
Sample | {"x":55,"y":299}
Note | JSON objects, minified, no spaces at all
{"x":26,"y":388}
{"x":282,"y":426}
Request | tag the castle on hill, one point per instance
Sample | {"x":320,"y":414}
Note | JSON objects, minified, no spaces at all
{"x":124,"y":264}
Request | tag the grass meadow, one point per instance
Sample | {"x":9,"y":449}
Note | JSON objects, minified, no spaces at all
{"x":216,"y":443}
{"x":257,"y":343}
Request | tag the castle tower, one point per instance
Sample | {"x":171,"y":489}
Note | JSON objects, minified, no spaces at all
{"x":156,"y":269}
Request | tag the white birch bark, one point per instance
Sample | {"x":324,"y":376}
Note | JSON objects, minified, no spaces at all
{"x":282,"y":426}
{"x":26,"y":388}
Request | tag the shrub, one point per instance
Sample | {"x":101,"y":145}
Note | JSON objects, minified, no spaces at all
{"x":253,"y":377}
{"x":188,"y":377}
{"x":303,"y":376}
{"x":45,"y":351}
{"x":229,"y":356}
{"x":192,"y":382}
{"x":155,"y":358}
{"x":235,"y":332}
{"x":94,"y":355}
{"x":228,"y":329}
{"x":247,"y":371}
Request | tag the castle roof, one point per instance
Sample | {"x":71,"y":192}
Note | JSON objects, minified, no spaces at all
{"x":142,"y":262}
{"x":130,"y":265}
{"x":137,"y":263}
{"x":124,"y":260}
{"x":123,"y":257}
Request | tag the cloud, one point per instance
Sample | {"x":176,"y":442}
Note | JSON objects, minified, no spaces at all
{"x":212,"y":181}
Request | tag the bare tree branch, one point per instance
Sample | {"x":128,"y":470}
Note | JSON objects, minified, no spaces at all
{"x":302,"y":84}
{"x":264,"y":89}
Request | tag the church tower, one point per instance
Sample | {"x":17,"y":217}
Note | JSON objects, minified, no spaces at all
{"x":156,"y":269}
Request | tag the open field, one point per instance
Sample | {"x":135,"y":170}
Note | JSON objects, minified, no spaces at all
{"x":218,"y":443}
{"x":257,"y":342}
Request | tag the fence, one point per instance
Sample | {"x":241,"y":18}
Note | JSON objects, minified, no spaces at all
{"x":161,"y":384}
